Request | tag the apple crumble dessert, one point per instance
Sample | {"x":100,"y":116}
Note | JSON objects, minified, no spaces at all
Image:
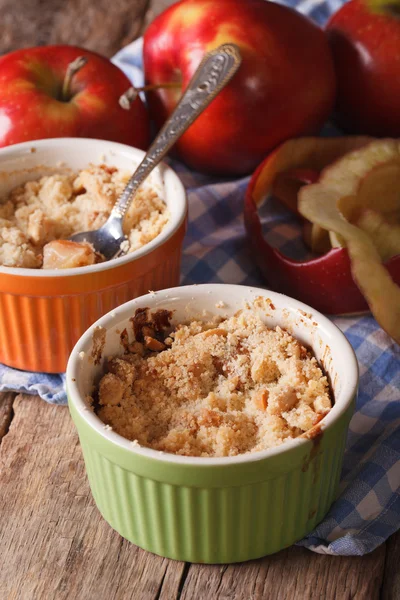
{"x":36,"y":217}
{"x":211,"y":389}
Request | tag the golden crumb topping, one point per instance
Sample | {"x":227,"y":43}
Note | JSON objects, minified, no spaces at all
{"x":57,"y":206}
{"x":212,"y":389}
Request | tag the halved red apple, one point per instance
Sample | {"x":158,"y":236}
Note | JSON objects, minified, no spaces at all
{"x":316,"y":238}
{"x":384,"y":234}
{"x":286,"y":185}
{"x":300,"y":161}
{"x":325,"y":282}
{"x":355,"y":198}
{"x":297,"y":163}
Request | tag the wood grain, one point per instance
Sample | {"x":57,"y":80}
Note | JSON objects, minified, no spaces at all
{"x":101,"y":25}
{"x":53,"y":541}
{"x":6,"y":412}
{"x":156,"y":7}
{"x":293,"y":574}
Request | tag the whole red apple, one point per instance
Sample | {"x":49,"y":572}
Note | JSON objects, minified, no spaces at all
{"x":39,"y":100}
{"x":284,"y":88}
{"x":366,"y":51}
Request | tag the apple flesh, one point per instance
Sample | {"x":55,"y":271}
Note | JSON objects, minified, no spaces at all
{"x":285,"y":86}
{"x":299,"y":161}
{"x":325,"y":282}
{"x":33,"y":104}
{"x":296,"y":163}
{"x":366,"y":52}
{"x":349,"y":182}
{"x":371,"y":171}
{"x":64,"y":254}
{"x":367,"y":179}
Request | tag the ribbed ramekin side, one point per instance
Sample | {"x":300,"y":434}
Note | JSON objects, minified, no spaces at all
{"x":214,"y":525}
{"x":37,"y":333}
{"x":310,"y":492}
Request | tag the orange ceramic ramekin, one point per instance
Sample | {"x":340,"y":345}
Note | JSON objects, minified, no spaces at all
{"x":44,"y":312}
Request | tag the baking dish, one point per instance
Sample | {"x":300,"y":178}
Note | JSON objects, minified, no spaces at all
{"x":216,"y":510}
{"x":44,"y":312}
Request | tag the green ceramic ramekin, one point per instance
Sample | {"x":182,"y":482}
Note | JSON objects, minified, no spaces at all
{"x":216,"y":510}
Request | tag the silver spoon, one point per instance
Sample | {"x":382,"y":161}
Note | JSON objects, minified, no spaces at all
{"x":214,"y":72}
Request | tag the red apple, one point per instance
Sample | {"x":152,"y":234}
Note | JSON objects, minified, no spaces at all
{"x":285,"y":86}
{"x":34,"y":105}
{"x":366,"y":51}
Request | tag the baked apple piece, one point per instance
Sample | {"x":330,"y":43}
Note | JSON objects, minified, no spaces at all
{"x":64,"y":254}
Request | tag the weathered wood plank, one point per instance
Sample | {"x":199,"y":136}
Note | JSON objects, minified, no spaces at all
{"x":156,"y":7}
{"x":293,"y":574}
{"x":102,"y":26}
{"x":391,"y":578}
{"x":6,"y":411}
{"x":53,"y":541}
{"x":98,"y":25}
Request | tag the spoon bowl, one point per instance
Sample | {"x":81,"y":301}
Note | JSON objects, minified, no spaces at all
{"x":215,"y":70}
{"x":108,"y":240}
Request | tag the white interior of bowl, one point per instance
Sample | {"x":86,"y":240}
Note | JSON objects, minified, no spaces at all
{"x":310,"y":327}
{"x":31,"y":160}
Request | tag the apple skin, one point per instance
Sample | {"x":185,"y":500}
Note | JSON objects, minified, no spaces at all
{"x":285,"y":86}
{"x":325,"y":282}
{"x":366,"y":51}
{"x":30,"y":85}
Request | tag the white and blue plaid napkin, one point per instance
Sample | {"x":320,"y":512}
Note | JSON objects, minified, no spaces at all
{"x":367,"y":511}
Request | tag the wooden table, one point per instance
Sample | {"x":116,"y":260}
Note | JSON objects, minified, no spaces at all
{"x":53,"y":542}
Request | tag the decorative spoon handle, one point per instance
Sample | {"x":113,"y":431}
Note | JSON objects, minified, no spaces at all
{"x":213,"y":73}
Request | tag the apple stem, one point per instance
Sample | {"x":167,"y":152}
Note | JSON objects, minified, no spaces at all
{"x":73,"y":68}
{"x":129,"y":97}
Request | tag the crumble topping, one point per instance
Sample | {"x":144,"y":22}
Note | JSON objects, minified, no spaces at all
{"x":99,"y":340}
{"x":36,"y":217}
{"x":220,"y":388}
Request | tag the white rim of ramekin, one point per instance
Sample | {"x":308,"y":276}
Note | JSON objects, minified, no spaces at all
{"x":169,"y":230}
{"x":107,"y":320}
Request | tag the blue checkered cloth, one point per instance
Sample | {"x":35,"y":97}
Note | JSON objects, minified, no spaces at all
{"x":367,"y":510}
